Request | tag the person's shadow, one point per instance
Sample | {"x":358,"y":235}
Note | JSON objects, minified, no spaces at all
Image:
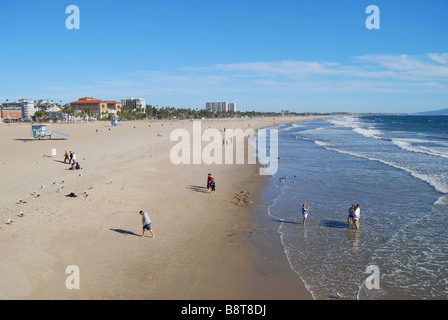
{"x":198,"y":188}
{"x":126,"y":232}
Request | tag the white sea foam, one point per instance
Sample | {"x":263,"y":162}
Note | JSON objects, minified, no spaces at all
{"x":309,"y":131}
{"x":368,"y":132}
{"x":358,"y":127}
{"x":406,"y":144}
{"x":293,"y":126}
{"x":437,"y":182}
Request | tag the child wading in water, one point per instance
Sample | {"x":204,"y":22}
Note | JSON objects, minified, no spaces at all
{"x":305,"y":212}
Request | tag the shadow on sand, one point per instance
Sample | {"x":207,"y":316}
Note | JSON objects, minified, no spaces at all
{"x":126,"y":232}
{"x":198,"y":189}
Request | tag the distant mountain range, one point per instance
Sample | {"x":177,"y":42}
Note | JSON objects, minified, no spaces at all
{"x":443,"y":112}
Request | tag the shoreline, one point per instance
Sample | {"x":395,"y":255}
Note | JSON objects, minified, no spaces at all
{"x":200,"y":251}
{"x":272,"y":277}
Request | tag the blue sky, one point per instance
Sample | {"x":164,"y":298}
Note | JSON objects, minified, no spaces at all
{"x":264,"y":55}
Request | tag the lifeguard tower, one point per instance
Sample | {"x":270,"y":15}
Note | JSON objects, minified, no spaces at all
{"x":40,"y":132}
{"x":115,"y":122}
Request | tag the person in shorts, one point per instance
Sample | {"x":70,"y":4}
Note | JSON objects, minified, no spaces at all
{"x":146,"y":224}
{"x":305,"y":212}
{"x":212,"y":186}
{"x":357,"y":215}
{"x":351,"y":213}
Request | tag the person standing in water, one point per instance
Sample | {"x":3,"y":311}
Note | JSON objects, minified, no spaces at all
{"x":357,"y":215}
{"x":351,"y":212}
{"x":305,"y":212}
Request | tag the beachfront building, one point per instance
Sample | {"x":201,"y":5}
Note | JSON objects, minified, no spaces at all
{"x":10,"y":113}
{"x":221,"y":106}
{"x":134,"y":103}
{"x":54,"y":110}
{"x":99,"y":108}
{"x":113,"y":107}
{"x":49,"y":106}
{"x":28,"y":108}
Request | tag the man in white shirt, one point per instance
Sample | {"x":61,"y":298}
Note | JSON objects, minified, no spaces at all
{"x":146,"y":223}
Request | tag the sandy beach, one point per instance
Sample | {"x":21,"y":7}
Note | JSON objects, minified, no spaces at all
{"x":204,"y":245}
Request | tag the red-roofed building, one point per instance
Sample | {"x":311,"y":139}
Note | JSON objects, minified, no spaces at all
{"x":99,"y":108}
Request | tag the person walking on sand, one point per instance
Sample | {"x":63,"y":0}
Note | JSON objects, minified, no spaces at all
{"x":70,"y":157}
{"x":146,"y":224}
{"x":212,"y":186}
{"x":74,"y":157}
{"x":357,"y":215}
{"x":66,"y":157}
{"x":305,"y":212}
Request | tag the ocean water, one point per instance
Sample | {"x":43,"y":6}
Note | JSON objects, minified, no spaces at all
{"x":396,"y":169}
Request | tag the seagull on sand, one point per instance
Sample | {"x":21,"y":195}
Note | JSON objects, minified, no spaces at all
{"x":9,"y":221}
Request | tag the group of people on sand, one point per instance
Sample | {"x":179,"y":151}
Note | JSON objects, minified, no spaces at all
{"x":354,"y":213}
{"x":71,"y":157}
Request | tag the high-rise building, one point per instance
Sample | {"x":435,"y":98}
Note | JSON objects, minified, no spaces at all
{"x":221,"y":106}
{"x":134,"y":103}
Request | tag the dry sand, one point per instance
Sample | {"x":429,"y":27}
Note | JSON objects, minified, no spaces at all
{"x":203,"y":247}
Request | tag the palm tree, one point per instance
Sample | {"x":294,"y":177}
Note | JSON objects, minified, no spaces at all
{"x":88,"y":112}
{"x":66,"y":108}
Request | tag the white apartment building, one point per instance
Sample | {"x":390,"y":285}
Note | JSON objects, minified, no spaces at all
{"x":28,"y":108}
{"x":51,"y":106}
{"x":134,"y":103}
{"x":221,"y":106}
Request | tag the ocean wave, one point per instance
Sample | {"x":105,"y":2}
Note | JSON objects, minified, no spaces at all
{"x":369,"y":132}
{"x":345,"y":121}
{"x":293,"y":126}
{"x":442,"y":201}
{"x":308,"y":131}
{"x":406,"y":144}
{"x":436,"y":181}
{"x":358,"y":127}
